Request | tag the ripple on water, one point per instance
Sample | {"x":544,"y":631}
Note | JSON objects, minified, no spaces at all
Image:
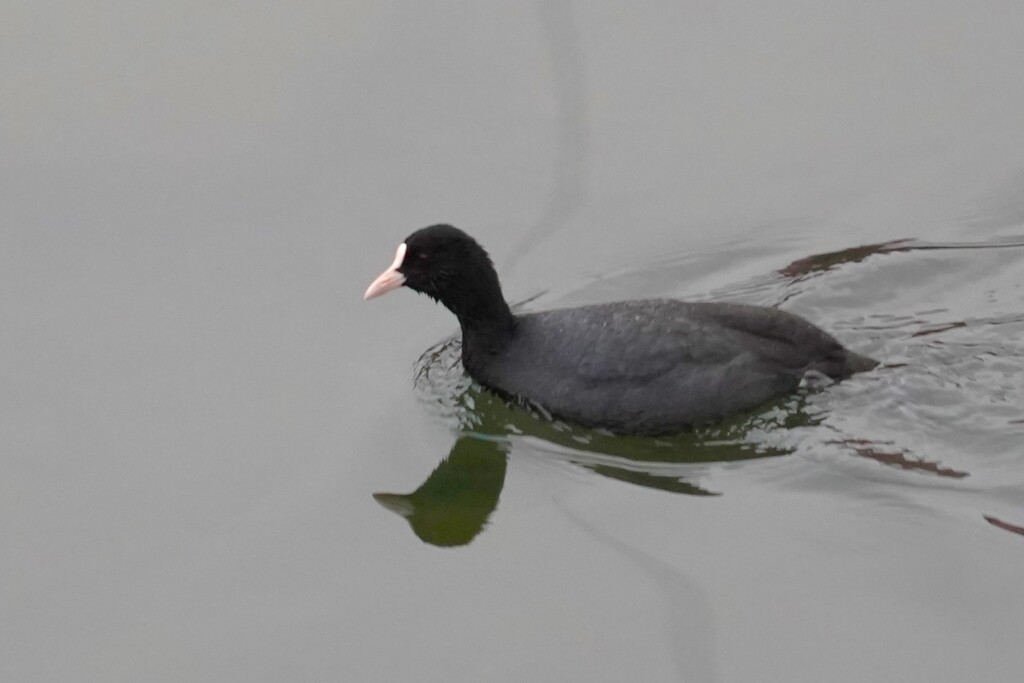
{"x":946,"y":405}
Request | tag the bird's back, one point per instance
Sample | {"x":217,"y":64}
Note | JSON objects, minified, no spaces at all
{"x":657,"y":366}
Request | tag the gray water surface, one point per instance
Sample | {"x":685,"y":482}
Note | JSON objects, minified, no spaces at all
{"x":217,"y":463}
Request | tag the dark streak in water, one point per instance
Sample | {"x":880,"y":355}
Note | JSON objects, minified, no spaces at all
{"x":1004,"y":525}
{"x":920,"y":245}
{"x":939,"y":329}
{"x":868,"y":449}
{"x":819,"y":263}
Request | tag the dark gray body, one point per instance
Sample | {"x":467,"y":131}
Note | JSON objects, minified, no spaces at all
{"x":656,"y":366}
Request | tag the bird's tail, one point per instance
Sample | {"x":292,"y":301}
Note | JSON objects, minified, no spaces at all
{"x":857,"y":363}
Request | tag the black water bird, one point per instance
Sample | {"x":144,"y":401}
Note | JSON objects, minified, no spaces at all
{"x":650,"y":366}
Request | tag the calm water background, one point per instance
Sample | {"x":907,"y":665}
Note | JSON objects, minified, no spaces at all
{"x":197,"y":407}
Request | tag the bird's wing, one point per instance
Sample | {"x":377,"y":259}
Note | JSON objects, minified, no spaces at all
{"x":635,"y":340}
{"x":779,"y":337}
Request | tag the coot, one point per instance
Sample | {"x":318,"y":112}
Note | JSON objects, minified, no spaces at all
{"x":652,"y":366}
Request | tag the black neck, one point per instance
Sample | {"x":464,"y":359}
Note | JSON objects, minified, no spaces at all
{"x":482,"y":319}
{"x":486,"y":320}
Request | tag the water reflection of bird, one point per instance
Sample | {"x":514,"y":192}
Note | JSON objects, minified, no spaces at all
{"x":457,"y":500}
{"x":452,"y":506}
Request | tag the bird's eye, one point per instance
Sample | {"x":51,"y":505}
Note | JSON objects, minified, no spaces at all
{"x":422,"y":256}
